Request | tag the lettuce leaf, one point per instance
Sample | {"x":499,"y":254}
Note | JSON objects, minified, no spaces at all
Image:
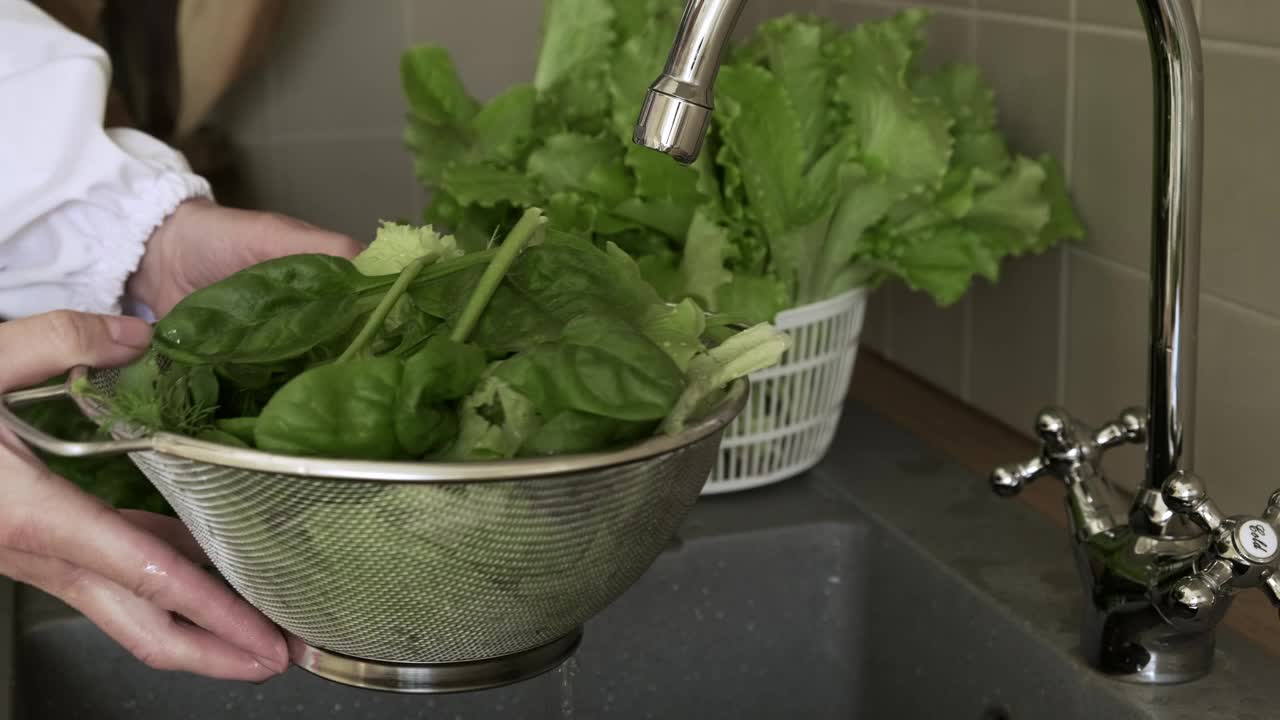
{"x":833,"y":161}
{"x":395,"y":246}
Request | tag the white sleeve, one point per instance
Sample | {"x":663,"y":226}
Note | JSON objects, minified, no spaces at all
{"x":77,"y":202}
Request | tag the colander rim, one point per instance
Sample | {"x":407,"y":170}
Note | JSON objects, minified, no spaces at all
{"x":189,"y":448}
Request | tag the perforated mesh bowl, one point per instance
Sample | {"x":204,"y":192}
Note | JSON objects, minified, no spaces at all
{"x":421,"y":562}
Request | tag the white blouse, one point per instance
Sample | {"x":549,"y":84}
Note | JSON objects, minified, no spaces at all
{"x":77,"y":201}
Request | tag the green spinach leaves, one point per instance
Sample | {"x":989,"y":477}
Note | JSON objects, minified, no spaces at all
{"x":543,"y":344}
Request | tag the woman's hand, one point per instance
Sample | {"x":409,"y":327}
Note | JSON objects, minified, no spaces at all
{"x":202,"y":243}
{"x":134,"y":574}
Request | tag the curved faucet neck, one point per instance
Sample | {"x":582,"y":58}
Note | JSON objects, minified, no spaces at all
{"x":1177,"y":72}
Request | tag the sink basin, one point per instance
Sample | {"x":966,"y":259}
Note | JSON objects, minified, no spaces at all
{"x":883,"y":584}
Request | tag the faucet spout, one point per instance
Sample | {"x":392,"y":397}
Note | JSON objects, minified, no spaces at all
{"x":677,"y":108}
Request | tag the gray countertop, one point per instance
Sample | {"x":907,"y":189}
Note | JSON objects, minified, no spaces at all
{"x":946,"y":520}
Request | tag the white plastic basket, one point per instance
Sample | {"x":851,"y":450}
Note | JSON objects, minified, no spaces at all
{"x":795,"y":406}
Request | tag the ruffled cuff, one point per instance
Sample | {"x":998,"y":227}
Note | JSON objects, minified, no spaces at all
{"x":155,"y":186}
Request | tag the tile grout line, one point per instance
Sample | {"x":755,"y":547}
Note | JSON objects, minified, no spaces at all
{"x":1068,"y":171}
{"x":1244,"y":48}
{"x":1121,"y":267}
{"x":1205,"y":295}
{"x":1254,"y":313}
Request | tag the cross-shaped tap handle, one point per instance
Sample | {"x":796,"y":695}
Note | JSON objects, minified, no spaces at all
{"x":1065,"y":444}
{"x":1243,"y":552}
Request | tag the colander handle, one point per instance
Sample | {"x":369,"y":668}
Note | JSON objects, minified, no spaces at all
{"x":40,"y":439}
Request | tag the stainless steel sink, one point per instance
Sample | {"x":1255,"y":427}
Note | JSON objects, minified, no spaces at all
{"x":882,"y":585}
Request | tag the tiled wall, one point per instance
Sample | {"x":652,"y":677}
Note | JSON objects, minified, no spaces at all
{"x":320,"y":129}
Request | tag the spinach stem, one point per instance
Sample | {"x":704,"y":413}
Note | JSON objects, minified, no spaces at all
{"x":398,"y":289}
{"x":520,"y":235}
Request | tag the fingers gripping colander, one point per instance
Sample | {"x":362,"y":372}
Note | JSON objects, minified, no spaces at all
{"x":425,"y":577}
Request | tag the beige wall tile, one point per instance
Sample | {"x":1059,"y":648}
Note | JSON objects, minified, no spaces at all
{"x":1026,"y":65}
{"x":1060,"y":9}
{"x":347,"y":185}
{"x":1118,"y":13}
{"x":928,"y":340}
{"x":1241,"y":215}
{"x":1015,"y":339}
{"x":491,"y":54}
{"x":335,"y":69}
{"x":1238,"y":405}
{"x":262,"y":184}
{"x":1105,"y":353}
{"x":759,"y":11}
{"x":245,"y":111}
{"x":782,"y":7}
{"x":952,"y":3}
{"x":1112,"y":146}
{"x":850,"y":13}
{"x":1251,"y":21}
{"x":948,"y":40}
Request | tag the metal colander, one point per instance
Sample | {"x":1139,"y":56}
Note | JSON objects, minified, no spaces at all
{"x":419,"y":562}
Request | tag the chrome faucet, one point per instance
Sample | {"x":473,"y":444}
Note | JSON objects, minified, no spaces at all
{"x":1158,"y":584}
{"x":1159,"y":581}
{"x":677,"y":108}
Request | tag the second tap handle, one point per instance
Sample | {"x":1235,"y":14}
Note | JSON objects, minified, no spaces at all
{"x":1130,"y":428}
{"x":1185,"y":494}
{"x":1008,"y":480}
{"x":1197,"y":601}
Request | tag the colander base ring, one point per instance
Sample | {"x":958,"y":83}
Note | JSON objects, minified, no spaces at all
{"x":433,"y":678}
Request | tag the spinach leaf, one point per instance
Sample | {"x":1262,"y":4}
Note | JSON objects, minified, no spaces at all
{"x":599,"y":366}
{"x":345,"y":410}
{"x":573,"y":431}
{"x":280,"y":309}
{"x":556,"y":282}
{"x":677,"y":329}
{"x":272,"y":311}
{"x":443,"y":370}
{"x":240,"y":427}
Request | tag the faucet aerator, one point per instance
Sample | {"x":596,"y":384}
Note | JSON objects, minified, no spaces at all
{"x":672,"y":125}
